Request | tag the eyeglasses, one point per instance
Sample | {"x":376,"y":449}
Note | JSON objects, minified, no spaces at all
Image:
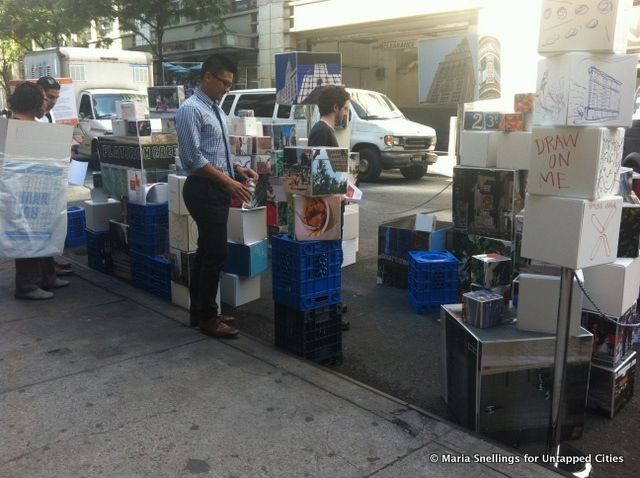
{"x":227,"y":84}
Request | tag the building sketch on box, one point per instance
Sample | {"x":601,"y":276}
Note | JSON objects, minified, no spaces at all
{"x":313,"y":76}
{"x":596,"y":101}
{"x":571,"y":22}
{"x":601,"y":228}
{"x":610,"y":161}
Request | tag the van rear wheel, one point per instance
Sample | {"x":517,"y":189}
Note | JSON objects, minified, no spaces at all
{"x":370,"y":167}
{"x":414,"y":172}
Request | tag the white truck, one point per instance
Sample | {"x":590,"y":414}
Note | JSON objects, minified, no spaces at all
{"x":100,"y":78}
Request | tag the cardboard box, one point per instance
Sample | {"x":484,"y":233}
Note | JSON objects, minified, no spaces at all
{"x":237,"y":291}
{"x":316,"y":171}
{"x":485,"y":201}
{"x":538,"y":300}
{"x":299,"y":75}
{"x":98,"y":214}
{"x":570,"y":232}
{"x":482,"y":308}
{"x":629,"y":239}
{"x":585,"y":25}
{"x":523,"y":102}
{"x":585,"y":89}
{"x":244,"y":126}
{"x":246,"y":226}
{"x":613,"y":287}
{"x":491,"y":270}
{"x":23,"y":140}
{"x":241,"y":145}
{"x":122,"y":127}
{"x":351,"y":222}
{"x":243,"y":161}
{"x":610,"y":388}
{"x":163,"y":99}
{"x":349,"y":251}
{"x":141,"y":191}
{"x":261,"y":163}
{"x":575,"y":162}
{"x":282,"y":135}
{"x":482,"y":120}
{"x":478,"y":148}
{"x":318,"y":218}
{"x":130,"y":110}
{"x":513,"y":150}
{"x":397,"y":237}
{"x":183,"y":232}
{"x":247,"y":260}
{"x":511,"y":122}
{"x":464,"y":246}
{"x":611,"y":338}
{"x":180,"y":296}
{"x":263,"y":145}
{"x":182,"y":263}
{"x":176,"y":201}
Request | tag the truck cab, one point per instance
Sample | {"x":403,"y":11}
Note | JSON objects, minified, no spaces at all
{"x":96,"y":108}
{"x":380,"y":132}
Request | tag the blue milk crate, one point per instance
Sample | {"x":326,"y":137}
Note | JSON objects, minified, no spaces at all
{"x":99,"y":251}
{"x":315,"y":334}
{"x":76,"y":224}
{"x":151,"y":273}
{"x":306,"y":274}
{"x":148,"y":217}
{"x":433,"y":267}
{"x":152,"y":243}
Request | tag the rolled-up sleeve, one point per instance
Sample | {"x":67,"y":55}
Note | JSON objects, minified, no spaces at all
{"x":188,"y":126}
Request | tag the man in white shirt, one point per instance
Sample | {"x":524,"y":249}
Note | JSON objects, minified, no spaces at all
{"x":51,"y":89}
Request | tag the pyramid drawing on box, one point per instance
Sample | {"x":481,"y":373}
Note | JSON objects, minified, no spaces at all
{"x":299,"y":75}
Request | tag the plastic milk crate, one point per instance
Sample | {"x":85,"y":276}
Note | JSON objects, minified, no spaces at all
{"x":433,"y":280}
{"x":149,"y":227}
{"x":75,"y":226}
{"x":306,"y":274}
{"x":99,"y":251}
{"x":151,"y":273}
{"x":315,"y":334}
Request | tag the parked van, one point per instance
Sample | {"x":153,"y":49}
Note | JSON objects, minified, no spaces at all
{"x":381,"y":134}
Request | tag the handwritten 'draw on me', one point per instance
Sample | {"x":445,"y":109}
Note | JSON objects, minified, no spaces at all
{"x":555,"y":151}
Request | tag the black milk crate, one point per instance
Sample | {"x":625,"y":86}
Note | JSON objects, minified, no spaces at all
{"x":99,"y":251}
{"x":315,"y":334}
{"x":151,"y":273}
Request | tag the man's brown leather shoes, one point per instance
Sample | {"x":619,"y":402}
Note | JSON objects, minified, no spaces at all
{"x":218,"y":329}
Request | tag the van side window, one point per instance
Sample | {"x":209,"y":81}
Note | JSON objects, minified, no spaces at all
{"x":262,"y":105}
{"x":85,"y":107}
{"x":226,"y":104}
{"x":283,"y":111}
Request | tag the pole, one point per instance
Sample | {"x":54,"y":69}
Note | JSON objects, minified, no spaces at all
{"x":559,"y":371}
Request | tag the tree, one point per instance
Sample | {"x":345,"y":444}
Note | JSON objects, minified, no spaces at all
{"x":47,"y":23}
{"x":150,"y":19}
{"x":10,"y":54}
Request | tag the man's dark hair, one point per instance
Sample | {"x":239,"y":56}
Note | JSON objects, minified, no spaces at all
{"x":330,"y":96}
{"x":27,"y":98}
{"x":217,"y":64}
{"x":48,"y":83}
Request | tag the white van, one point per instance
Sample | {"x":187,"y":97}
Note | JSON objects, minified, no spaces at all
{"x":381,"y":134}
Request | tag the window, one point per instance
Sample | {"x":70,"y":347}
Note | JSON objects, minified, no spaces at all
{"x":284,"y":111}
{"x":85,"y":110}
{"x":227,"y":103}
{"x":262,"y":104}
{"x":141,"y":73}
{"x":77,"y":72}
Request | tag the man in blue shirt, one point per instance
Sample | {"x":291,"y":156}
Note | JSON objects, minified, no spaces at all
{"x":212,"y":182}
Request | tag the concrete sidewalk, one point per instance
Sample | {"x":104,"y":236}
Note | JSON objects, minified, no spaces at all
{"x":106,"y":380}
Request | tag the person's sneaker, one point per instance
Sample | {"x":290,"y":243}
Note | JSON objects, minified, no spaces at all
{"x":35,"y":294}
{"x":58,"y":284}
{"x":63,"y":271}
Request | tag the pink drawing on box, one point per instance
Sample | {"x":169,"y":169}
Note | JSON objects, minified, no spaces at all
{"x":603,"y":240}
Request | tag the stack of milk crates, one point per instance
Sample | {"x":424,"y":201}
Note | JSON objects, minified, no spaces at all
{"x":307,"y":262}
{"x":580,"y":210}
{"x":98,"y":215}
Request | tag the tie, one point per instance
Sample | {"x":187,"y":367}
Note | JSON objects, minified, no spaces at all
{"x":224,"y":140}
